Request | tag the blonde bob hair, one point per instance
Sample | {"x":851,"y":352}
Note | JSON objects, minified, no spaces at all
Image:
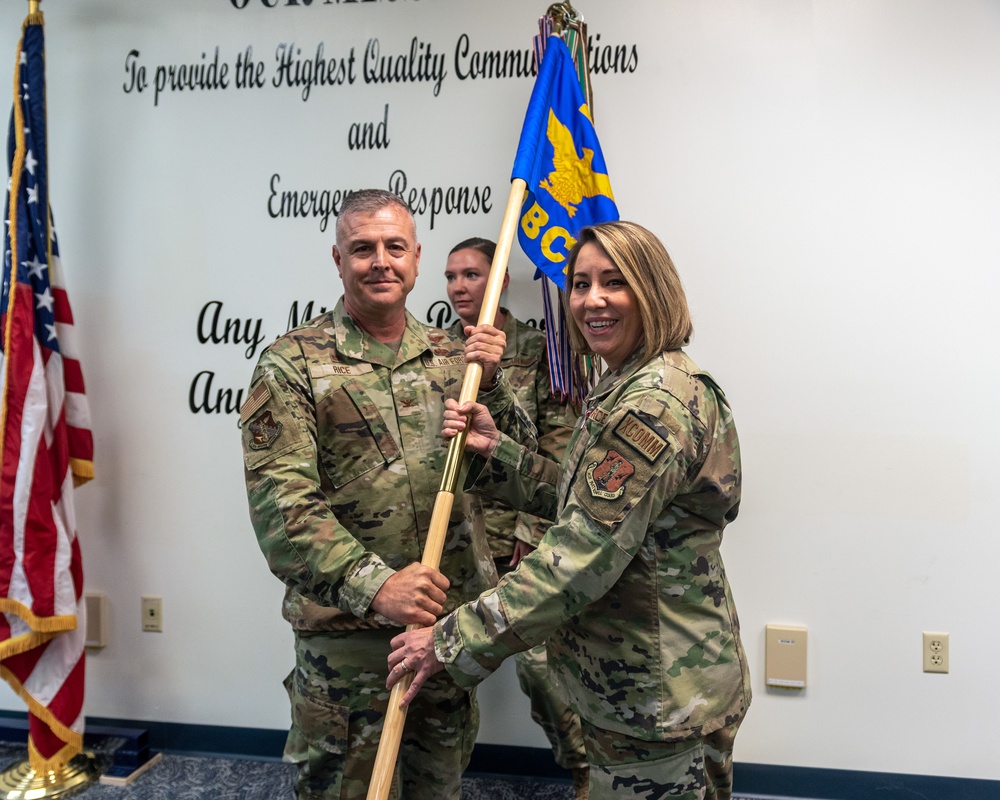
{"x":651,"y":274}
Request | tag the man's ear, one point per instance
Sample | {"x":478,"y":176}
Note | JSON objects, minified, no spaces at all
{"x":336,"y":259}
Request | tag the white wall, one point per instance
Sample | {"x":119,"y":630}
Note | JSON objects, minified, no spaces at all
{"x":825,"y":175}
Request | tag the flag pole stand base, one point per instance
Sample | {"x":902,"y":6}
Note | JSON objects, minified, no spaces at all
{"x":22,"y":782}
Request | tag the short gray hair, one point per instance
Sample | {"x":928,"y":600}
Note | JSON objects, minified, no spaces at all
{"x":368,"y":201}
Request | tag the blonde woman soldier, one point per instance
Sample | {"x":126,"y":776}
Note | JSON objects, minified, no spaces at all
{"x":627,"y":587}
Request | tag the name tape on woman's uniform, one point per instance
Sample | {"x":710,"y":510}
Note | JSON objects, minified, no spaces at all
{"x":598,"y":415}
{"x":641,"y":437}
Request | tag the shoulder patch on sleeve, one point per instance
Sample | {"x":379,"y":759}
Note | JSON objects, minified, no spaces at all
{"x":263,"y":431}
{"x":640,"y":437}
{"x":620,"y":464}
{"x":257,"y":398}
{"x":607,"y":478}
{"x":268,"y":427}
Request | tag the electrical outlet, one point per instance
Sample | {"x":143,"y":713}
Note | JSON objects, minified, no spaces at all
{"x":152,"y":614}
{"x":935,"y":652}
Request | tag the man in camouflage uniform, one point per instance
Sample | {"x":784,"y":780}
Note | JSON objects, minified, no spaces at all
{"x":513,"y":534}
{"x":343,"y":461}
{"x":628,"y":587}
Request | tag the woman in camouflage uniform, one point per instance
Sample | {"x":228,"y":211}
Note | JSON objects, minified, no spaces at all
{"x":628,"y":585}
{"x":512,"y":534}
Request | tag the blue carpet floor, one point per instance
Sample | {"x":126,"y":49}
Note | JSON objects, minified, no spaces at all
{"x":187,"y":777}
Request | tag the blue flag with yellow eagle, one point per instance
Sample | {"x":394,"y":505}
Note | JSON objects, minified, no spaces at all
{"x":560,"y":159}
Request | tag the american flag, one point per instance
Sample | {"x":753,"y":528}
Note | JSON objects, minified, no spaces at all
{"x":46,"y":446}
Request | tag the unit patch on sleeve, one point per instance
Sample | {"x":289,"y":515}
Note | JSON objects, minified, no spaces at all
{"x":637,"y":434}
{"x":607,"y":478}
{"x":263,"y":431}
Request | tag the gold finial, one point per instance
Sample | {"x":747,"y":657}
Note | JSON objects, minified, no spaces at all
{"x":562,"y":16}
{"x":33,"y":6}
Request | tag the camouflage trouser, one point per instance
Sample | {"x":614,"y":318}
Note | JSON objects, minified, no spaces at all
{"x":559,"y":722}
{"x":549,"y":710}
{"x":697,"y":769}
{"x":338,"y":696}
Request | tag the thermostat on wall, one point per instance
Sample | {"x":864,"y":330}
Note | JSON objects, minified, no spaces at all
{"x":786,"y":656}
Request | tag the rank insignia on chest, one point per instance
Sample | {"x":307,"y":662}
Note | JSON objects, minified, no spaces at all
{"x":607,"y":479}
{"x":263,"y":431}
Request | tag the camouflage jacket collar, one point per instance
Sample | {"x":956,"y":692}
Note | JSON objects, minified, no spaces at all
{"x":612,"y":379}
{"x":353,"y":342}
{"x":611,"y":383}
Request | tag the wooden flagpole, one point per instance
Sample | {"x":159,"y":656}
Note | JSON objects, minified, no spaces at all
{"x":392,"y":730}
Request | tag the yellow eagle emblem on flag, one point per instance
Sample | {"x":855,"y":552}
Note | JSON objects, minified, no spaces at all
{"x":573,"y":177}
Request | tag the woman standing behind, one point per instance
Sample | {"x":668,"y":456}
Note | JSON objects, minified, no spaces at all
{"x":512,"y":534}
{"x":628,"y":584}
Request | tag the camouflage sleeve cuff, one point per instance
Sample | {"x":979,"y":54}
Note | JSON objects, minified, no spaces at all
{"x":507,"y":414}
{"x":509,"y":452}
{"x":518,"y":477}
{"x":450,"y":651}
{"x":473,"y":641}
{"x":498,"y":396}
{"x":363,"y":583}
{"x":479,"y":466}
